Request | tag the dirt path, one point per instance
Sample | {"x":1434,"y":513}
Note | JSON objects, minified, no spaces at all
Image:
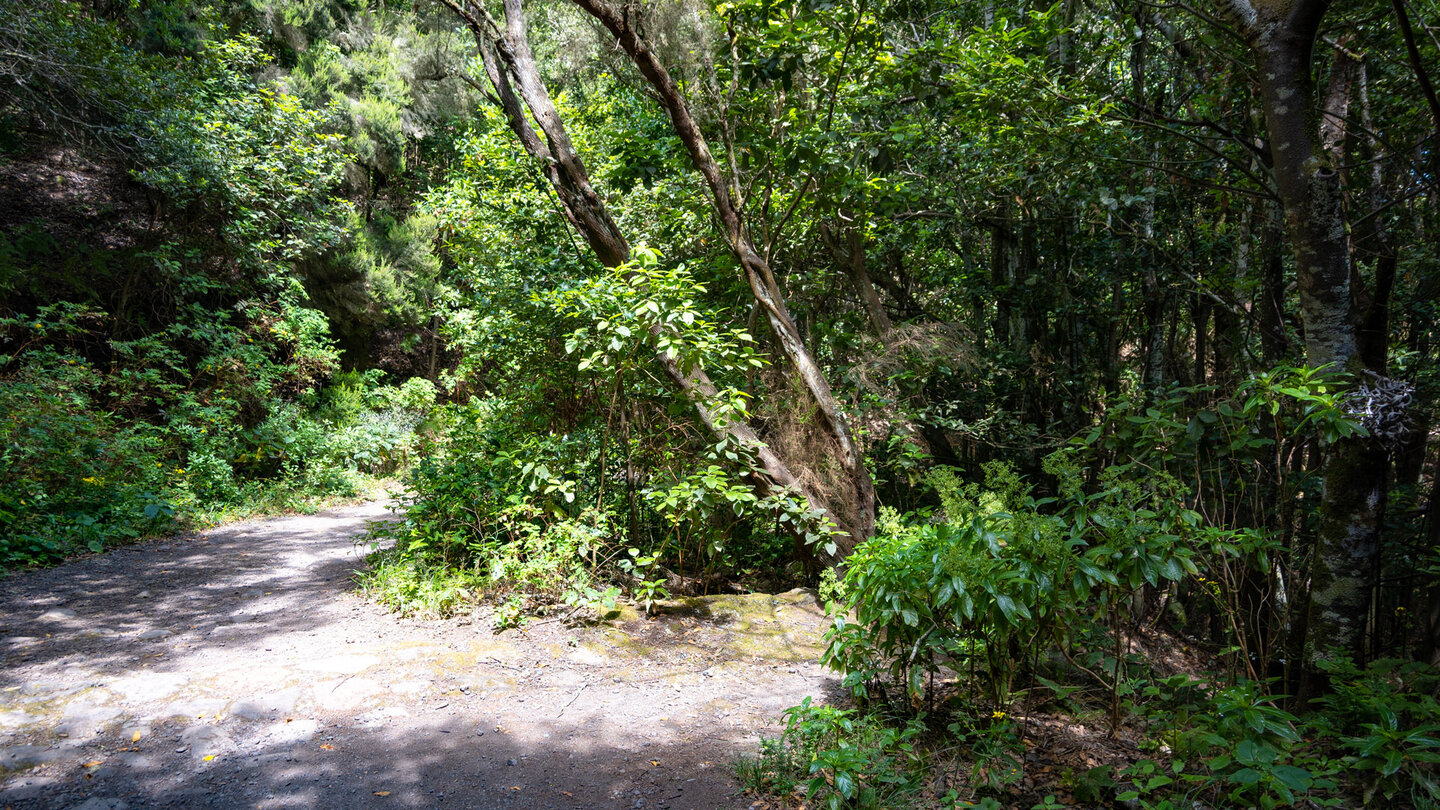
{"x":236,"y":669}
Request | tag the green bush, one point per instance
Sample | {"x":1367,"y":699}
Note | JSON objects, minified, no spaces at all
{"x":844,"y":759}
{"x":1386,"y":720}
{"x":72,"y":477}
{"x":999,"y":582}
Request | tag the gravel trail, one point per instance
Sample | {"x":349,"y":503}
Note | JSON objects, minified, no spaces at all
{"x":237,"y":668}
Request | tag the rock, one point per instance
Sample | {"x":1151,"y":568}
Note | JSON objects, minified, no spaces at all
{"x":146,"y":686}
{"x":411,"y":653}
{"x":265,"y":706}
{"x":345,"y":694}
{"x":381,"y":717}
{"x":342,"y":664}
{"x":134,"y":732}
{"x":194,"y":709}
{"x":48,"y":690}
{"x":101,"y":804}
{"x":19,"y":757}
{"x":96,"y":632}
{"x":15,"y":719}
{"x":204,"y":740}
{"x":84,"y":719}
{"x":411,"y":688}
{"x":136,"y":761}
{"x":252,"y":679}
{"x":56,"y":615}
{"x":155,"y":633}
{"x":291,"y":733}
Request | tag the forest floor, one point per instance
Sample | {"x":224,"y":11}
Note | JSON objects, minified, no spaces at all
{"x":237,"y":667}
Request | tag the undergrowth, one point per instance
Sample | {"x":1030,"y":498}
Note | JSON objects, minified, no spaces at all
{"x":968,"y":635}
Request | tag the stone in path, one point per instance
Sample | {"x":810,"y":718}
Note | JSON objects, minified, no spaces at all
{"x":102,"y":804}
{"x":203,"y":741}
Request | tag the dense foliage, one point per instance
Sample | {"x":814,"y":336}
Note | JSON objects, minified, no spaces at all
{"x":1035,"y":337}
{"x":163,"y":356}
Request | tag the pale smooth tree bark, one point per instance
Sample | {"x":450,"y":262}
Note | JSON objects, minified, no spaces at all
{"x":515,"y":79}
{"x":854,"y":507}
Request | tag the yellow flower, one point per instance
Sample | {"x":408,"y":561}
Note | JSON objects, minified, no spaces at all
{"x":92,"y":480}
{"x":997,"y":715}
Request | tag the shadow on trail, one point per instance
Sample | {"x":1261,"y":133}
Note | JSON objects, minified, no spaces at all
{"x":430,"y":766}
{"x":236,"y":669}
{"x":152,"y":603}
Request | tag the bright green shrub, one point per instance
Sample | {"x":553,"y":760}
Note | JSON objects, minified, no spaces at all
{"x":844,"y":759}
{"x":961,"y":597}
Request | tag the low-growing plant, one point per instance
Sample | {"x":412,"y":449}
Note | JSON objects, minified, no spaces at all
{"x":415,"y":587}
{"x":992,"y":742}
{"x":841,"y":758}
{"x":1238,"y":747}
{"x":1386,"y":720}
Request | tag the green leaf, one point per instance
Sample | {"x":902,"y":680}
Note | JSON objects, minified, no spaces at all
{"x":1246,"y":776}
{"x":1010,"y":610}
{"x":1293,"y":777}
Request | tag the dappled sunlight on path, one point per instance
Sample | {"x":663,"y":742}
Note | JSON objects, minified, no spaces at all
{"x":237,"y":668}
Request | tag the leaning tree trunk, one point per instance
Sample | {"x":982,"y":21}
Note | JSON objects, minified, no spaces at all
{"x":854,"y":507}
{"x":510,"y":66}
{"x":1281,"y":36}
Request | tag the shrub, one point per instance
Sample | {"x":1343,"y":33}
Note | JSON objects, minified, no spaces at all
{"x":842,"y":758}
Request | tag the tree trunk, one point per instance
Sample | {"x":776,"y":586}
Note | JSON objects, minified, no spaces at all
{"x":1430,"y":644}
{"x":860,"y":280}
{"x":857,"y":520}
{"x":1004,"y":261}
{"x":1274,"y":341}
{"x":899,"y":285}
{"x":849,"y":255}
{"x":1154,"y":342}
{"x":1281,"y":35}
{"x":509,"y":64}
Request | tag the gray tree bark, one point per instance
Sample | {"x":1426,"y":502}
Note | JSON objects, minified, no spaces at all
{"x":1281,"y":36}
{"x":854,"y":510}
{"x":510,"y":66}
